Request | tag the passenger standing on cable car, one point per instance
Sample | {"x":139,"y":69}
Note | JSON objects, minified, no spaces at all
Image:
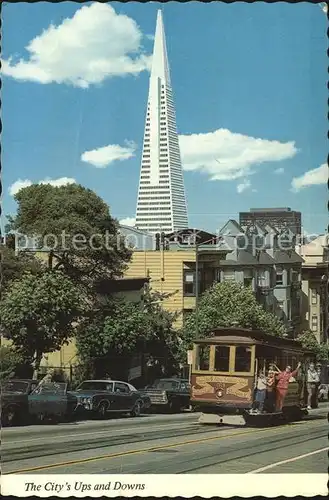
{"x":260,"y":391}
{"x":270,"y":389}
{"x":283,"y":384}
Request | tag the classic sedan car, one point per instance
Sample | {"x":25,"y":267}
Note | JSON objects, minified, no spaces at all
{"x":51,"y":401}
{"x":102,"y":397}
{"x":14,"y":400}
{"x":170,"y":394}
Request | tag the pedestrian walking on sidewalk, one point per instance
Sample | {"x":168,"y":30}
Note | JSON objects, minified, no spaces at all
{"x":313,"y":381}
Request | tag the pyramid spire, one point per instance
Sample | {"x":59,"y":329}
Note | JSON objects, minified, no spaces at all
{"x":160,"y":66}
{"x":161,"y":204}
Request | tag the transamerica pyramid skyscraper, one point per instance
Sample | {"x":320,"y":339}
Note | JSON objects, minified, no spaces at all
{"x":161,"y":203}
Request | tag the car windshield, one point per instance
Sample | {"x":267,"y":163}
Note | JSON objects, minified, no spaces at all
{"x":166,"y":384}
{"x":15,"y":386}
{"x":95,"y":386}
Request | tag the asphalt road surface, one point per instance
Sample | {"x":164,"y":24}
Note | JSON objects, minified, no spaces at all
{"x":167,"y":444}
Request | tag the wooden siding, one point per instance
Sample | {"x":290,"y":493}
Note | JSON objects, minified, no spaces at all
{"x":165,"y":270}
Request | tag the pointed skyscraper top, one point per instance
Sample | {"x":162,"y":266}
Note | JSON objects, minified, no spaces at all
{"x":161,"y":203}
{"x":160,"y":66}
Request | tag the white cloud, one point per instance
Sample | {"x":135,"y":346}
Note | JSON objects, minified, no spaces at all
{"x":95,"y":44}
{"x":20,"y":184}
{"x":311,"y":178}
{"x":246,"y":184}
{"x":279,"y":171}
{"x":104,"y":156}
{"x":128,"y":221}
{"x":225,"y":155}
{"x":62,"y":181}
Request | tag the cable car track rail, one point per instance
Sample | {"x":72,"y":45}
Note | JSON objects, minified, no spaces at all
{"x":317,"y":432}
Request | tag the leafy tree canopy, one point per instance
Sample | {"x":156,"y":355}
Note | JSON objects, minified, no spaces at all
{"x":124,"y":328}
{"x":10,"y":358}
{"x":76,"y":224}
{"x":309,"y":342}
{"x":230,"y":304}
{"x":14,"y":266}
{"x":38,"y":313}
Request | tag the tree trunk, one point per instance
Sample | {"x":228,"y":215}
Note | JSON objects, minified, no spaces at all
{"x":36,"y":364}
{"x":50,"y":259}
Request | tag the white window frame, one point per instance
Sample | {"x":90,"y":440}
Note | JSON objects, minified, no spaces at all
{"x":279,"y":270}
{"x":228,"y":275}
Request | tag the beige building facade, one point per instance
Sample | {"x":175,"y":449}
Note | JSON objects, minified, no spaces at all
{"x":173,"y":272}
{"x":315,"y":286}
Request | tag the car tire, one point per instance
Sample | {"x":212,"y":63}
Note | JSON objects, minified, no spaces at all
{"x":42,"y":418}
{"x":136,"y":411}
{"x":174,"y":407}
{"x":10,"y":416}
{"x":102,"y":410}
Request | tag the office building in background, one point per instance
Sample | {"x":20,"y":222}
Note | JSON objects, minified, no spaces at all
{"x":161,"y":203}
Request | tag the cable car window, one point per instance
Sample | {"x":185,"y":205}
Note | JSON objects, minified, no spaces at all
{"x":203,"y":353}
{"x":242,"y":359}
{"x":222,"y":358}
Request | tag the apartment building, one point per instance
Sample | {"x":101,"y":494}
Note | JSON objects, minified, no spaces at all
{"x":172,"y":267}
{"x":315,"y":286}
{"x":263,"y":255}
{"x":253,"y":256}
{"x":279,"y":218}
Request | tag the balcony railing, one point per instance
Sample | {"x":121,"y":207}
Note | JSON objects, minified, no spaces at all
{"x":296,"y":285}
{"x":263,"y":289}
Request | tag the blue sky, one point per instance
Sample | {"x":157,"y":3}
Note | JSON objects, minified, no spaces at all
{"x":249,"y":83}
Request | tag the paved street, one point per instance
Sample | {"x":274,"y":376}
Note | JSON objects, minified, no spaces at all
{"x":167,"y":444}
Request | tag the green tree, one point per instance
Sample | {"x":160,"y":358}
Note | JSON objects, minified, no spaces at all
{"x":229,"y":304}
{"x":76,"y":224}
{"x":14,"y":266}
{"x":10,"y":359}
{"x":121,"y":329}
{"x":309,"y":342}
{"x":39,"y":313}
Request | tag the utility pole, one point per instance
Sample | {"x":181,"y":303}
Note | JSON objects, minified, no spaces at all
{"x":196,"y":289}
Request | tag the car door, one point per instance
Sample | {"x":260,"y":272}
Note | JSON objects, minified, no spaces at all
{"x":185,"y":392}
{"x":124,"y":396}
{"x":112,"y":398}
{"x":36,"y":401}
{"x":48,"y":399}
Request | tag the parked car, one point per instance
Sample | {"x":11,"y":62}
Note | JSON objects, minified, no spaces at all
{"x":323,"y":392}
{"x":51,"y":401}
{"x":102,"y":397}
{"x":14,"y":400}
{"x":170,"y":394}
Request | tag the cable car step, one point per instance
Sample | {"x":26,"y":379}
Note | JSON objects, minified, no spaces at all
{"x":210,"y":418}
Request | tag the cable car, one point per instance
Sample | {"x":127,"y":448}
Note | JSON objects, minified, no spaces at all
{"x":225,"y":371}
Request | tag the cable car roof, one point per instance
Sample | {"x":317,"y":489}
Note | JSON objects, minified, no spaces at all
{"x":236,"y":335}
